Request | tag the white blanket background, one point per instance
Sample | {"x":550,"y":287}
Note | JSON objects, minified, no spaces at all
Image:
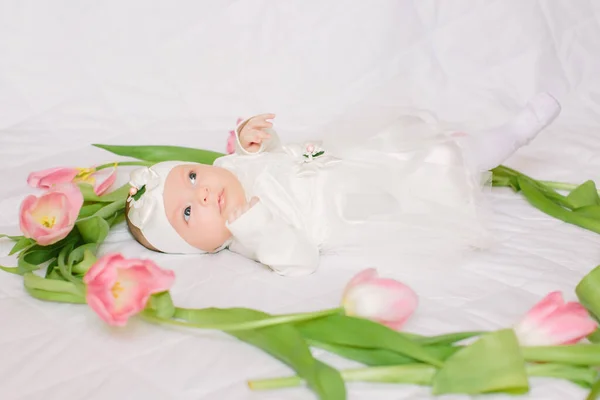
{"x":74,"y":73}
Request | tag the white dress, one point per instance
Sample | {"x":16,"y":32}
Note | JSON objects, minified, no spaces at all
{"x":407,"y":191}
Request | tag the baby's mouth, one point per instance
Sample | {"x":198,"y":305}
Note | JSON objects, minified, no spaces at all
{"x":222,"y":200}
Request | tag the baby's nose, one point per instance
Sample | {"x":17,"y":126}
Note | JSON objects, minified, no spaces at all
{"x":203,"y":194}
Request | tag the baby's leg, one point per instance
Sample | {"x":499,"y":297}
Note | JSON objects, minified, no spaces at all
{"x":491,"y":148}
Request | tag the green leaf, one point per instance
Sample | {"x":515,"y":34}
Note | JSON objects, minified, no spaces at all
{"x":139,"y":193}
{"x":164,"y":153}
{"x":594,"y":337}
{"x":584,"y":195}
{"x":64,"y":268}
{"x":283,"y":342}
{"x":588,"y":292}
{"x":111,"y":209}
{"x":13,"y":238}
{"x":538,"y":200}
{"x":21,"y":244}
{"x":162,"y":304}
{"x":11,"y":270}
{"x":89,"y":195}
{"x":78,"y":254}
{"x":33,"y":259}
{"x":93,"y":230}
{"x":504,"y":176}
{"x":572,"y":354}
{"x":51,"y":273}
{"x":119,"y":217}
{"x":376,"y":357}
{"x":358,"y":332}
{"x":89,"y":210}
{"x":55,"y":297}
{"x":55,"y":275}
{"x":82,"y":258}
{"x":415,"y":374}
{"x":446,"y":339}
{"x":491,"y":364}
{"x":50,"y":287}
{"x":594,"y":392}
{"x":583,"y":376}
{"x":589,"y":211}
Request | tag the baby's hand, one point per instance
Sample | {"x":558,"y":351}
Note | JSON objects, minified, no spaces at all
{"x":253,"y":134}
{"x":238,"y":212}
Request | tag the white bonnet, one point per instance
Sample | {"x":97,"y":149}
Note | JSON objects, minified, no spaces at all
{"x":147,"y":209}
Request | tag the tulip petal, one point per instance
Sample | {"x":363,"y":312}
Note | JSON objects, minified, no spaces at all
{"x":50,"y":217}
{"x":566,"y":326}
{"x":25,"y":222}
{"x":231,"y":141}
{"x":576,"y":309}
{"x":54,"y":236}
{"x":100,"y":274}
{"x":74,"y":198}
{"x":545,"y":307}
{"x":362,"y":277}
{"x":95,"y":302}
{"x":119,"y":288}
{"x":552,"y":322}
{"x":386,"y":301}
{"x":51,"y":206}
{"x":107,"y":183}
{"x":49,"y":177}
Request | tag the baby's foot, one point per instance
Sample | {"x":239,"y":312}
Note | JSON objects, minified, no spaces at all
{"x":545,"y":108}
{"x":540,"y":112}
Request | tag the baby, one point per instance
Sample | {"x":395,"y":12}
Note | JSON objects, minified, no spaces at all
{"x":408,"y":188}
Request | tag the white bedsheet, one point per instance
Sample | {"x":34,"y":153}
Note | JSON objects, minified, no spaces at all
{"x":181,"y":72}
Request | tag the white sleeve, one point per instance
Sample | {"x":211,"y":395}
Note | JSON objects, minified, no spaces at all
{"x":278,"y":245}
{"x":271,"y":144}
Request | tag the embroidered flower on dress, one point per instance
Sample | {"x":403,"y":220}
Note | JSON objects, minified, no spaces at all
{"x":312,"y":152}
{"x":313,"y":159}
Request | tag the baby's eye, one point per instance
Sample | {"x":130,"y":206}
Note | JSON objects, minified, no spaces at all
{"x":192,"y":176}
{"x":186,"y":213}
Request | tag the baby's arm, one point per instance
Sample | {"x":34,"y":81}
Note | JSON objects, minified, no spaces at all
{"x":272,"y":242}
{"x":256,"y":135}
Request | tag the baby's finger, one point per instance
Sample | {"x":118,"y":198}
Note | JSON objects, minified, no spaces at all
{"x":264,"y":117}
{"x":234,"y":215}
{"x":260,"y":135}
{"x":261,"y":125}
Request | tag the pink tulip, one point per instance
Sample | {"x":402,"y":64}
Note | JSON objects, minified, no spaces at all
{"x":55,"y":176}
{"x":386,"y":301}
{"x":50,"y":217}
{"x":554,"y":322}
{"x":118,"y":288}
{"x":231,"y":142}
{"x":232,"y":139}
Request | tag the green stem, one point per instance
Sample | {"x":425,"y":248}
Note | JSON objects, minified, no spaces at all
{"x":53,"y":290}
{"x":55,"y":297}
{"x":111,"y":209}
{"x":123,"y":164}
{"x":576,"y":354}
{"x":561,"y":186}
{"x":574,"y":374}
{"x":243,"y":326}
{"x":422,"y":374}
{"x":595,"y":392}
{"x":415,"y":374}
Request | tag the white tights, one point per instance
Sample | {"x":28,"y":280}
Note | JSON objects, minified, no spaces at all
{"x":490,"y":148}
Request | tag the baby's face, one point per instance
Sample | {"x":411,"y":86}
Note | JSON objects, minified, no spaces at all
{"x":198,"y":200}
